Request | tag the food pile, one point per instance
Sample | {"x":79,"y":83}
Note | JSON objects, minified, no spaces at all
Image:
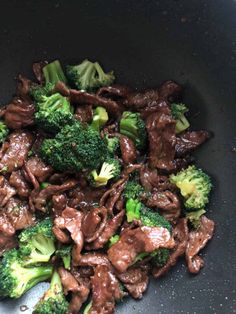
{"x":98,"y":188}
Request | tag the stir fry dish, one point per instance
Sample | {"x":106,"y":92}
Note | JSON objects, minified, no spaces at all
{"x":98,"y":188}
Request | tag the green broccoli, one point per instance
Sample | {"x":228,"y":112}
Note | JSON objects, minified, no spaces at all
{"x":75,"y":148}
{"x":3,"y":131}
{"x":113,"y":144}
{"x":38,"y":91}
{"x":158,"y":258}
{"x":100,"y":118}
{"x":43,"y":185}
{"x":133,"y":207}
{"x":87,"y":308}
{"x":133,"y":127}
{"x":194,"y":186}
{"x":88,"y":76}
{"x":53,"y":300}
{"x":16,"y":279}
{"x":65,"y":254}
{"x":37,"y":243}
{"x":53,"y":113}
{"x":133,"y":190}
{"x":110,"y":169}
{"x":115,"y":238}
{"x":178,"y":111}
{"x":195,"y":217}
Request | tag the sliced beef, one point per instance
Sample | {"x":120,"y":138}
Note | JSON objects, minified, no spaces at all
{"x":134,"y":241}
{"x":110,"y":229}
{"x":128,"y":150}
{"x":6,"y":227}
{"x":94,"y":259}
{"x":6,"y":191}
{"x":114,"y":91}
{"x":59,"y":203}
{"x":20,"y":143}
{"x":94,"y":223}
{"x":38,"y":70}
{"x":39,"y":198}
{"x":189,"y":141}
{"x":139,"y":100}
{"x":197,"y":240}
{"x":7,"y":243}
{"x":162,"y":139}
{"x":23,"y":86}
{"x":105,"y":291}
{"x":17,"y":180}
{"x":180,"y":234}
{"x":78,"y":298}
{"x":170,"y":91}
{"x":19,"y":113}
{"x":70,"y":221}
{"x":84,"y":113}
{"x":69,"y":283}
{"x":36,"y":168}
{"x":135,"y":280}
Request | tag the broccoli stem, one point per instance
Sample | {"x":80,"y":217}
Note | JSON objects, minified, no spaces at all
{"x":53,"y":73}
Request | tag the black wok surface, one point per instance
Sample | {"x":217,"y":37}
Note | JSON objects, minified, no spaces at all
{"x":146,"y":42}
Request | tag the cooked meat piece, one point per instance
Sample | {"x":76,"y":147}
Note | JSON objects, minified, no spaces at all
{"x":18,"y":214}
{"x":78,"y":298}
{"x":197,"y":240}
{"x":37,"y":168}
{"x":23,"y":86}
{"x":170,"y":91}
{"x":94,"y":223}
{"x":135,"y":280}
{"x":110,"y":229}
{"x":128,"y":150}
{"x":7,"y":243}
{"x":84,"y":197}
{"x":19,"y":145}
{"x":84,"y":113}
{"x":38,"y":70}
{"x":105,"y":291}
{"x":84,"y":98}
{"x":69,"y":283}
{"x":167,"y":201}
{"x":162,"y":139}
{"x":94,"y":259}
{"x":189,"y":141}
{"x":114,"y":91}
{"x":140,"y":100}
{"x":19,"y":113}
{"x":59,"y":203}
{"x":71,"y":220}
{"x":61,"y":88}
{"x":134,"y":241}
{"x":6,"y":191}
{"x":17,"y":180}
{"x":39,"y":198}
{"x":180,"y":234}
{"x":6,"y":227}
{"x":160,"y":106}
{"x":150,"y":179}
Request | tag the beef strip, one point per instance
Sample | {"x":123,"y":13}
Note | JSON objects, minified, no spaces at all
{"x":189,"y":141}
{"x":7,"y":243}
{"x":114,"y":91}
{"x":6,"y":227}
{"x":128,"y":150}
{"x":19,"y":113}
{"x":18,"y":214}
{"x":38,"y":169}
{"x":134,"y":241}
{"x":84,"y":113}
{"x":78,"y":298}
{"x":69,"y":283}
{"x":84,"y":98}
{"x":59,"y":203}
{"x":197,"y":240}
{"x":61,"y":88}
{"x":38,"y":198}
{"x":139,"y":100}
{"x":110,"y":229}
{"x":20,"y":143}
{"x":135,"y":280}
{"x":180,"y":234}
{"x":23,"y":86}
{"x":94,"y":223}
{"x":71,"y":220}
{"x":6,"y":191}
{"x":162,"y":140}
{"x":94,"y":259}
{"x":17,"y":180}
{"x":38,"y":70}
{"x":170,"y":91}
{"x":105,"y":291}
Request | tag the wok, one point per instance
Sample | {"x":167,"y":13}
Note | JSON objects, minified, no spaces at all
{"x":146,"y":42}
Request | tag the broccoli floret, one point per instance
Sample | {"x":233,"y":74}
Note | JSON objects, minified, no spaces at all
{"x":158,"y":258}
{"x":133,"y":127}
{"x":194,"y":186}
{"x":53,"y":300}
{"x":87,"y":308}
{"x":178,"y":111}
{"x":110,"y":169}
{"x":133,"y":190}
{"x":132,"y":208}
{"x":38,"y":91}
{"x":65,"y":254}
{"x":88,"y":76}
{"x":195,"y":217}
{"x":43,"y":185}
{"x":113,"y":144}
{"x":16,"y":279}
{"x":75,"y":148}
{"x":100,"y":118}
{"x":3,"y":131}
{"x":53,"y":113}
{"x":37,"y":243}
{"x":153,"y":219}
{"x":132,"y":193}
{"x":115,"y":238}
{"x":53,"y":73}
